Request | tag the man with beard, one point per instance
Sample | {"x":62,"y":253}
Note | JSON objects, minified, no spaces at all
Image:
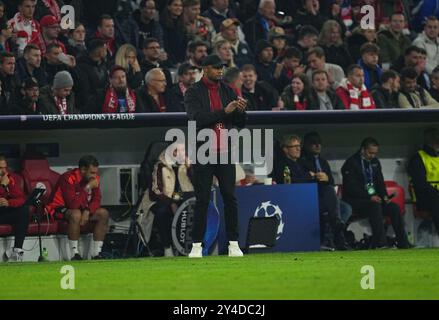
{"x":153,"y":57}
{"x":27,"y":103}
{"x":214,"y":105}
{"x":78,"y":201}
{"x":197,"y":51}
{"x":117,"y":98}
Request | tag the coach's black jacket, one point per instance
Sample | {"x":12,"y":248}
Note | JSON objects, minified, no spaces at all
{"x":354,"y":182}
{"x":197,"y":105}
{"x":308,"y":162}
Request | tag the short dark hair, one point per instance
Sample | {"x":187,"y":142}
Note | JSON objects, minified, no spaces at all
{"x":411,"y":49}
{"x":369,"y":142}
{"x":51,"y":46}
{"x":148,"y":41}
{"x":2,"y":157}
{"x":293,"y":52}
{"x":408,"y":73}
{"x":397,"y":13}
{"x":352,"y":68}
{"x":87,"y":161}
{"x":95,"y":44}
{"x":190,"y":3}
{"x":5,"y":55}
{"x":193,"y":45}
{"x":30,"y":47}
{"x":388,"y":74}
{"x":311,"y":138}
{"x":431,"y":137}
{"x":104,"y":17}
{"x":307,"y":30}
{"x":369,"y":48}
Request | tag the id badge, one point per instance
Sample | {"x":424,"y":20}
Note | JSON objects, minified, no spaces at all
{"x":370,"y":189}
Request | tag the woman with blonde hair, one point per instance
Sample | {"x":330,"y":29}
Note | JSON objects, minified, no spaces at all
{"x":331,"y":41}
{"x":126,"y":57}
{"x":223,"y":49}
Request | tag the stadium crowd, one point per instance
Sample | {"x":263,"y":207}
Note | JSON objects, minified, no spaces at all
{"x":133,"y":56}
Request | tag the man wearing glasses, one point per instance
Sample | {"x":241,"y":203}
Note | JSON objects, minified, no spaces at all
{"x":214,"y":105}
{"x":154,"y":57}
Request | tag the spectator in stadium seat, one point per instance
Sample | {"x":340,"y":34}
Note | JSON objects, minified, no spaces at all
{"x":229,"y":31}
{"x":49,"y":7}
{"x":409,"y":60}
{"x":92,"y":69}
{"x":423,"y":77}
{"x":187,"y":75}
{"x":364,"y":189}
{"x":7,"y":43}
{"x":146,"y":23}
{"x":154,"y":57}
{"x":329,"y":204}
{"x":322,"y":96}
{"x":257,"y":27}
{"x":422,"y":12}
{"x":197,"y":51}
{"x":297,"y":95}
{"x":265,"y":64}
{"x":233,"y":77}
{"x":174,"y":36}
{"x":309,"y":14}
{"x":359,"y":37}
{"x":9,"y":81}
{"x":169,"y":183}
{"x":55,"y":61}
{"x":223,"y":49}
{"x":27,"y":103}
{"x":411,"y":94}
{"x":422,"y":169}
{"x":118,"y":97}
{"x":78,"y":200}
{"x":196,"y":26}
{"x":126,"y":57}
{"x":13,"y":211}
{"x":331,"y":41}
{"x":317,"y":62}
{"x":76,"y":45}
{"x":29,"y":66}
{"x":278,"y":40}
{"x":260,"y":94}
{"x":391,"y":40}
{"x":429,"y":41}
{"x":218,"y":12}
{"x":307,"y":39}
{"x":369,"y":64}
{"x":434,"y":91}
{"x":290,"y":66}
{"x":386,"y":94}
{"x":50,"y":31}
{"x":59,"y":97}
{"x":106,"y":32}
{"x":353,"y":92}
{"x":151,"y":97}
{"x":25,"y":26}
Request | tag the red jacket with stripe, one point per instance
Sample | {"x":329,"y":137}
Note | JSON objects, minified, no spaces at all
{"x":71,"y":193}
{"x":13,"y":193}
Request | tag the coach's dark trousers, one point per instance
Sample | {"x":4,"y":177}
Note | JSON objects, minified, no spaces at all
{"x":376,"y":212}
{"x":18,"y":218}
{"x":202,"y":180}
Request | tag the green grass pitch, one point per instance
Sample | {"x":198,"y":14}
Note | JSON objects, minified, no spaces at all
{"x":399,"y":274}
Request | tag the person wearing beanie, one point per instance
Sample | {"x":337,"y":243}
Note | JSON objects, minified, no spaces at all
{"x":59,"y":98}
{"x":266,"y":67}
{"x":27,"y":103}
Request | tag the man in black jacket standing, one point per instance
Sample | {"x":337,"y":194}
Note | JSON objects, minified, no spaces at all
{"x":364,"y":189}
{"x":213,"y":104}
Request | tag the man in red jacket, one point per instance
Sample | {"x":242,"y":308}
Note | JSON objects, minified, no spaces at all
{"x":12,"y":211}
{"x":78,"y":200}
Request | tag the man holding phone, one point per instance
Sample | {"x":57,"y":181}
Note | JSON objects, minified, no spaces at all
{"x":364,"y":189}
{"x":213,"y":104}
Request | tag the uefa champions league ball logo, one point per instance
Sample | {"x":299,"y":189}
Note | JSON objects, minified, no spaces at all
{"x":267,"y":209}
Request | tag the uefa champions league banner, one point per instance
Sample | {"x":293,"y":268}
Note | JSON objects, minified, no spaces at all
{"x":296,"y":206}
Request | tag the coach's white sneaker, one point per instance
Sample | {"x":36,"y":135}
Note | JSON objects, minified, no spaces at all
{"x":234,"y":250}
{"x":14,"y":255}
{"x":197,"y":250}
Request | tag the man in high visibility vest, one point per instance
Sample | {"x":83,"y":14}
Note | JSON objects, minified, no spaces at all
{"x":423,"y":169}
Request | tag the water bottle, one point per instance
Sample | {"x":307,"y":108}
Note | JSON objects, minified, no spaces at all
{"x":287,"y":175}
{"x":45,"y":255}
